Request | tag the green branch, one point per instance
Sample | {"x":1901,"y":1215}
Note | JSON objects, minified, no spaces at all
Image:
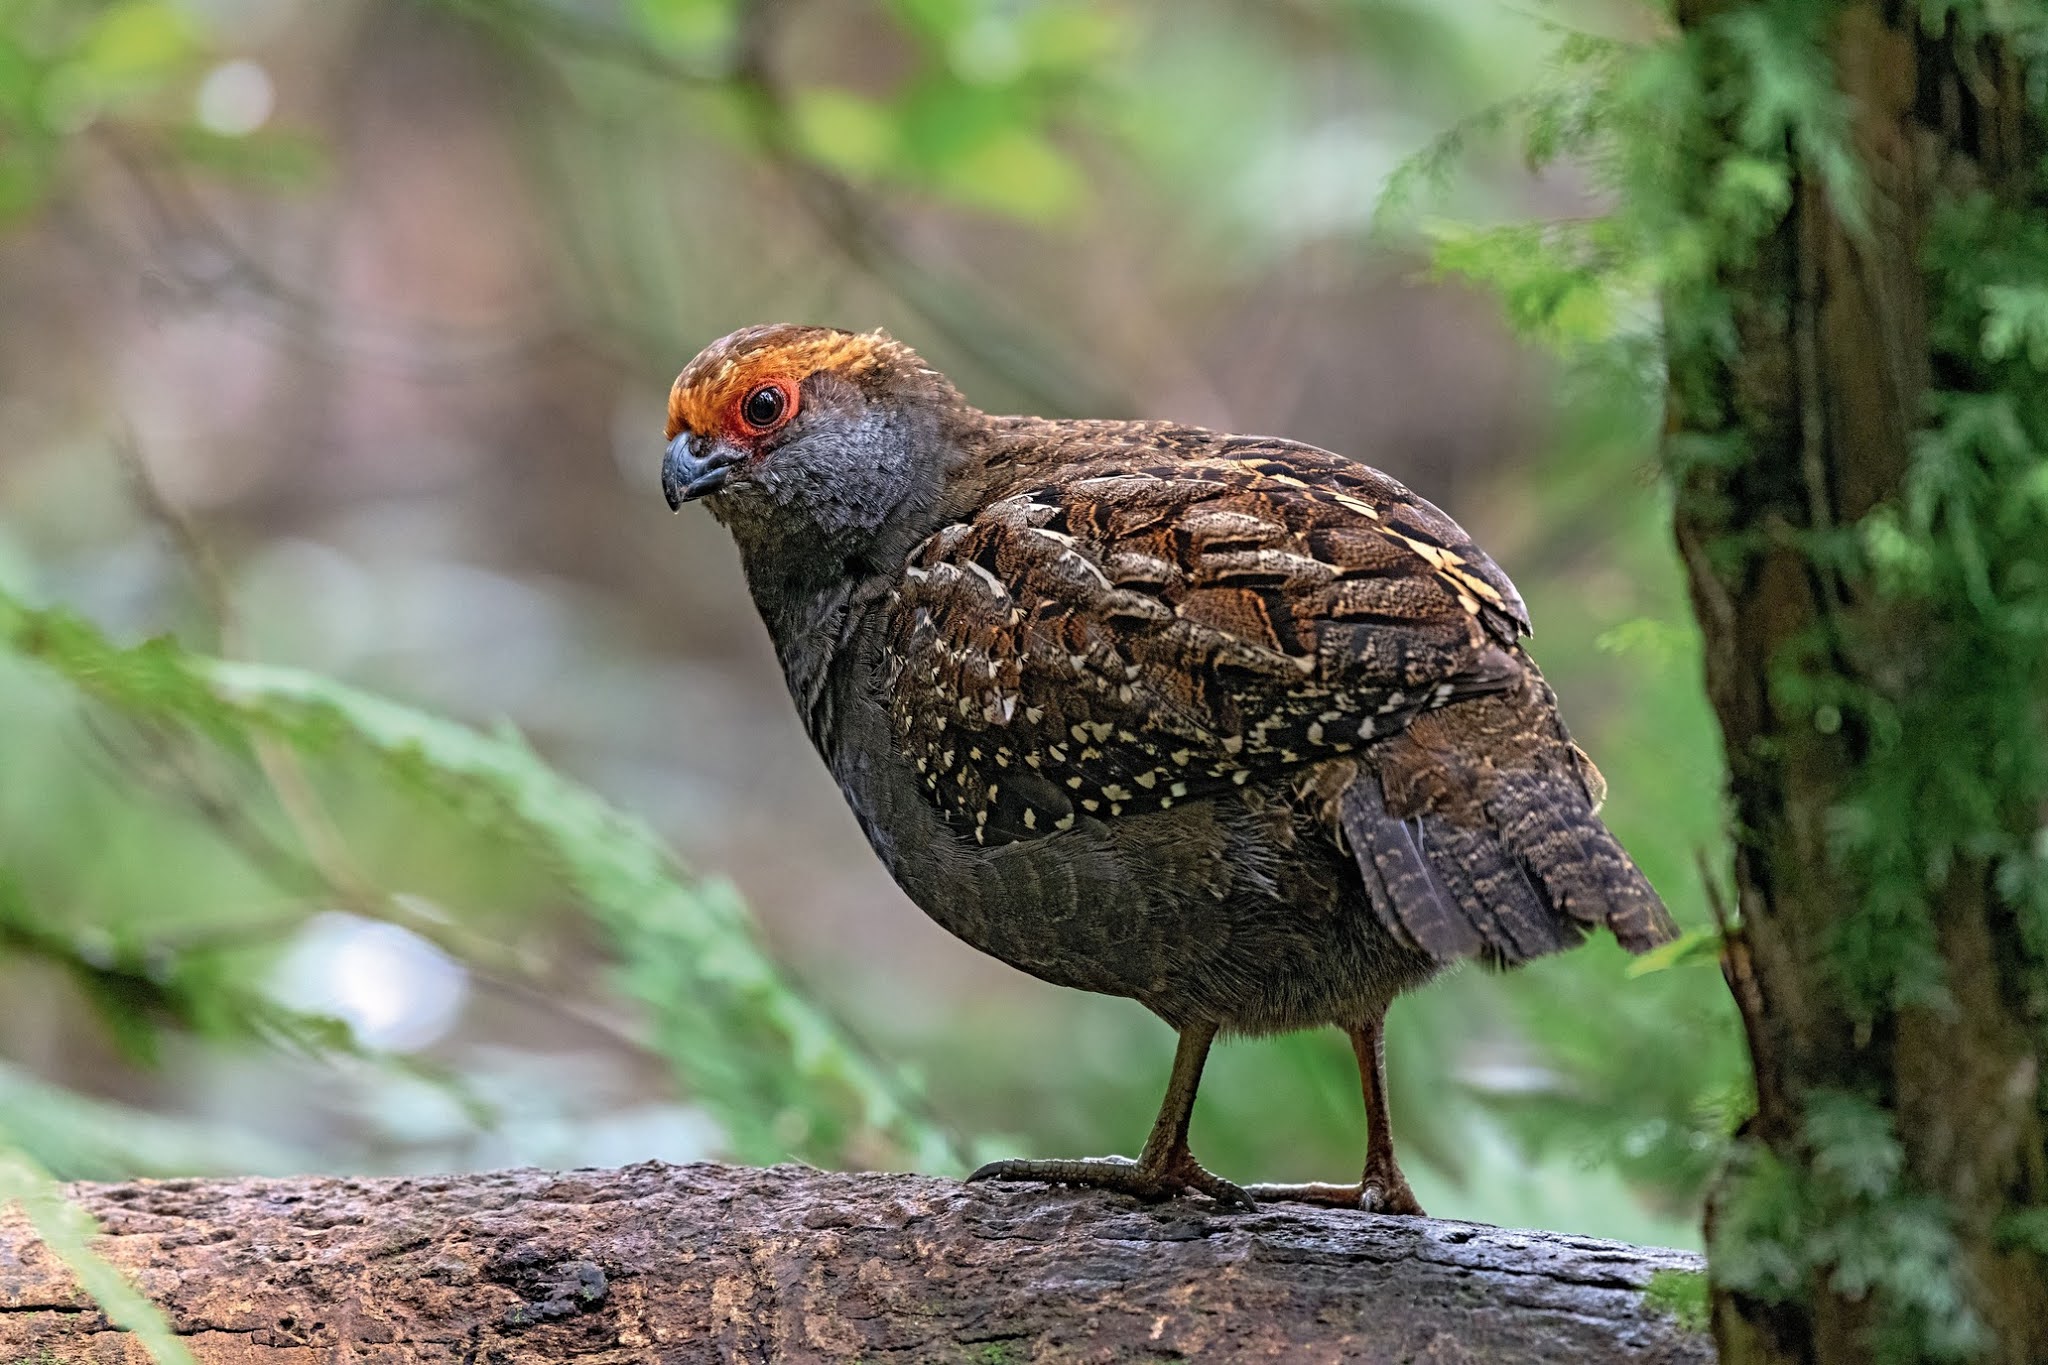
{"x":779,"y":1075}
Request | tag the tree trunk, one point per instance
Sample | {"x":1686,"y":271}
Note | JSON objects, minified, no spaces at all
{"x":1889,"y":982}
{"x":708,"y":1263}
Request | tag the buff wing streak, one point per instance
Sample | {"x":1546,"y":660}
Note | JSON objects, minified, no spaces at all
{"x":1108,"y":639}
{"x":1125,"y":640}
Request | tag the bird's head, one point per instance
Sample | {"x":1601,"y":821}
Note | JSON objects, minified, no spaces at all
{"x":808,"y":436}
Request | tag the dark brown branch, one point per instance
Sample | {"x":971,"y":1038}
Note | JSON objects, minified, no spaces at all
{"x":713,"y":1263}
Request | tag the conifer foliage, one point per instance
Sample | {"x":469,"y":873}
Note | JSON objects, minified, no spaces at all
{"x":1858,"y":418}
{"x":1842,"y":211}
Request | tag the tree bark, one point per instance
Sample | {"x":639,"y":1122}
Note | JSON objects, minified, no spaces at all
{"x":1816,"y":407}
{"x":711,"y":1263}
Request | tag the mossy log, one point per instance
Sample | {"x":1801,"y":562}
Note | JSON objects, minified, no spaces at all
{"x":660,"y":1263}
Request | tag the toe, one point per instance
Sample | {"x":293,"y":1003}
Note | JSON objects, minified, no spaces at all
{"x":1121,"y":1175}
{"x":1223,"y":1192}
{"x":1379,"y":1196}
{"x":1105,"y":1171}
{"x":1189,"y":1174}
{"x":1327,"y":1196}
{"x":995,"y":1170}
{"x":1116,"y":1174}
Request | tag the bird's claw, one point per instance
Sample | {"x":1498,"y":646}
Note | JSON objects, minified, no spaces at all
{"x":1374,"y":1194}
{"x":1122,"y":1175}
{"x":1391,"y":1197}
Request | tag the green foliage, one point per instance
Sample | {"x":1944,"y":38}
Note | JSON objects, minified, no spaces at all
{"x":1216,"y":109}
{"x":138,"y":989}
{"x":1680,"y":1293}
{"x":687,"y":28}
{"x":1846,"y":1214}
{"x":2016,"y":323}
{"x":89,"y":1139}
{"x":1956,"y":750}
{"x":1662,"y":1109}
{"x":1694,"y":946}
{"x":169,"y":917}
{"x":1689,"y":189}
{"x":1701,"y":139}
{"x":775,"y":1071}
{"x":1564,"y":286}
{"x":68,"y":1232}
{"x":975,"y":121}
{"x":2025,"y":1229}
{"x":1952,"y":769}
{"x":128,"y":68}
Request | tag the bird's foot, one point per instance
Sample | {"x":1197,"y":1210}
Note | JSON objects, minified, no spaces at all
{"x":1175,"y":1176}
{"x":1376,"y":1193}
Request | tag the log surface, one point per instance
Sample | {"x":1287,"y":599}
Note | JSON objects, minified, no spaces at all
{"x":660,"y":1263}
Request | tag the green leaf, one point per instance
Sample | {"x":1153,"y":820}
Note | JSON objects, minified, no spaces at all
{"x":1554,"y":280}
{"x":690,"y":28}
{"x":137,"y":41}
{"x":2025,"y":1229}
{"x":67,"y":1231}
{"x":850,"y":133}
{"x":266,"y":158}
{"x":1853,"y":1143}
{"x":2016,"y":323}
{"x":1682,"y":1294}
{"x":936,"y":19}
{"x":944,"y":119}
{"x":1075,"y":38}
{"x":1018,"y":173}
{"x":77,"y":1138}
{"x":777,"y":1073}
{"x":1694,"y":946}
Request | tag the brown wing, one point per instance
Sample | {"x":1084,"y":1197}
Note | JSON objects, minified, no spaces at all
{"x":1112,"y":640}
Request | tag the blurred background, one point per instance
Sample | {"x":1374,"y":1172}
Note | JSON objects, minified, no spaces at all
{"x":336,"y":336}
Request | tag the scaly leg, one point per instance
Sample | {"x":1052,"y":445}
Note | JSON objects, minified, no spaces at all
{"x":1165,"y":1168}
{"x":1381,"y":1188}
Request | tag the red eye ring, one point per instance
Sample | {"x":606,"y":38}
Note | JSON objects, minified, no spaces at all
{"x":766,"y":407}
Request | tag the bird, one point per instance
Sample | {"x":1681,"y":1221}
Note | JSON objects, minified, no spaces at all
{"x":1228,"y":725}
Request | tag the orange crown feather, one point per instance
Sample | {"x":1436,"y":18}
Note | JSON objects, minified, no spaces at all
{"x":708,"y":392}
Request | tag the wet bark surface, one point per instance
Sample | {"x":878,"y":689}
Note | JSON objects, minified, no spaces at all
{"x":714,"y":1263}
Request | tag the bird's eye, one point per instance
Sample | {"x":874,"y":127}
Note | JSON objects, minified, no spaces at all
{"x":765,"y":407}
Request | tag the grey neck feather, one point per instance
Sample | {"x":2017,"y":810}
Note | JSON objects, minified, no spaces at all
{"x":824,"y":620}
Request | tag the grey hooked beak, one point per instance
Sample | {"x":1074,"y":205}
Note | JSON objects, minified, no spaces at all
{"x":690,"y":471}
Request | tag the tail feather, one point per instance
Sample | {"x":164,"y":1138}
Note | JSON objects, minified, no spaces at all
{"x":1517,"y":914}
{"x":1476,"y":834}
{"x":1550,"y":828}
{"x":1406,"y":889}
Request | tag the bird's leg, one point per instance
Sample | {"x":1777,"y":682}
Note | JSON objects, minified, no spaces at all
{"x":1165,"y":1168}
{"x":1381,"y":1188}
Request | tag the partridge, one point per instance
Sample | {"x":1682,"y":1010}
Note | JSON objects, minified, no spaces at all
{"x":1229,"y":725}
